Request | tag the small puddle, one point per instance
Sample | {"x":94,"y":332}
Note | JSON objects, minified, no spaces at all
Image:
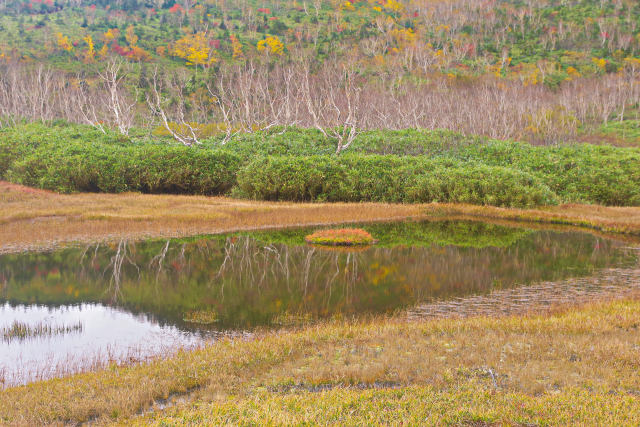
{"x":76,"y":308}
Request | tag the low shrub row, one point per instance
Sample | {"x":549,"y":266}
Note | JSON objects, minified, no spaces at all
{"x":575,"y":172}
{"x":299,"y":165}
{"x":359,"y":178}
{"x":76,"y":166}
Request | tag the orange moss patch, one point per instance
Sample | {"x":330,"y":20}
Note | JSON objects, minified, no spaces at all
{"x":341,"y":237}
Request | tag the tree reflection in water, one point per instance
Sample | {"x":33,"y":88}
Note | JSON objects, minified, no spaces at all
{"x":253,"y":279}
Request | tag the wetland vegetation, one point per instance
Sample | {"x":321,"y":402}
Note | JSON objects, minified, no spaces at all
{"x":182,"y":183}
{"x":575,"y":365}
{"x":21,"y":331}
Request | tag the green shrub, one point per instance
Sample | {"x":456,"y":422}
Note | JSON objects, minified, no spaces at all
{"x":576,"y":173}
{"x":184,"y":170}
{"x":299,"y":165}
{"x":347,"y":178}
{"x":103,"y":168}
{"x":354,"y":178}
{"x":290,"y":178}
{"x":20,"y":141}
{"x":482,"y":185}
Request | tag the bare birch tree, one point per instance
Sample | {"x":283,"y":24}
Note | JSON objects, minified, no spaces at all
{"x":183,"y":132}
{"x":117,"y":103}
{"x":333,"y":102}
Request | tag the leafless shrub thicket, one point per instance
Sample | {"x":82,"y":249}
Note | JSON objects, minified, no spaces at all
{"x":332,"y":97}
{"x":41,"y":94}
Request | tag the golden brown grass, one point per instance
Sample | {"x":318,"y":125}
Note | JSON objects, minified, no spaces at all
{"x":471,"y":405}
{"x":32,"y":219}
{"x":36,"y":219}
{"x":499,"y":369}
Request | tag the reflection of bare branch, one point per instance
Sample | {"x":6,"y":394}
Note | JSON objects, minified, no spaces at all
{"x":116,"y":264}
{"x":328,"y":285}
{"x":248,"y":263}
{"x":182,"y":257}
{"x":86,"y":248}
{"x":84,"y":253}
{"x":306,"y":268}
{"x":159,"y":259}
{"x":228,"y":247}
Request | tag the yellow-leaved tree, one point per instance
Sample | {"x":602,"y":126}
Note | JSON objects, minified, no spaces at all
{"x":63,"y":42}
{"x":271,"y":45}
{"x":131,"y":36}
{"x":194,"y":48}
{"x":90,"y":53}
{"x":393,"y":6}
{"x":236,"y":46}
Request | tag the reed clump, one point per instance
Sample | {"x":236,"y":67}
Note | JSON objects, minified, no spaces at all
{"x":20,"y":331}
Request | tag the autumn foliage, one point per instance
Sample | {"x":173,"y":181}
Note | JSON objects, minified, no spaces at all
{"x":194,"y":48}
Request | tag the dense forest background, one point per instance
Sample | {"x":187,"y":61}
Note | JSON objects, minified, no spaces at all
{"x":545,"y":71}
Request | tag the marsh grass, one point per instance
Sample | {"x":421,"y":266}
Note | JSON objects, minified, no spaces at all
{"x":33,"y":220}
{"x":571,"y":364}
{"x":20,"y":331}
{"x":202,"y":317}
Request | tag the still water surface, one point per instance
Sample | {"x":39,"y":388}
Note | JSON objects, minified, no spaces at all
{"x":134,"y":300}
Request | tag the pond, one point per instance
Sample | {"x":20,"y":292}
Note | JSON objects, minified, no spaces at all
{"x":82,"y":307}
